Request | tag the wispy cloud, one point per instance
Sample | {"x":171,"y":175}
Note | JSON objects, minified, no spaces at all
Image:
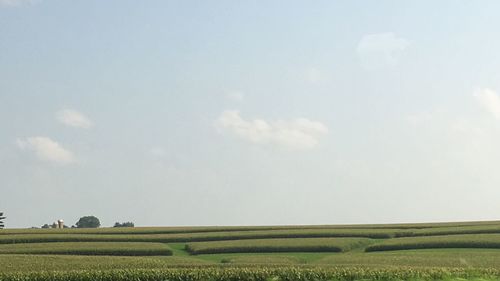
{"x":300,"y":133}
{"x":73,"y":118}
{"x":47,"y":149}
{"x":489,"y":100}
{"x":381,"y":50}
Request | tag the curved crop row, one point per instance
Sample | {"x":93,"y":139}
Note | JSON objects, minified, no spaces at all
{"x":198,"y":237}
{"x":278,"y":245}
{"x":479,"y":229}
{"x":433,"y":242}
{"x":89,"y":248}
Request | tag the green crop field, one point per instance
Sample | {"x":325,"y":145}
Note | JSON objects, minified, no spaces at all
{"x":278,"y":245}
{"x":198,"y":236}
{"x":88,"y":248}
{"x":488,"y":241}
{"x":434,"y":251}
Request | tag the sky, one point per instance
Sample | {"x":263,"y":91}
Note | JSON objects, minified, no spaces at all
{"x":169,"y":113}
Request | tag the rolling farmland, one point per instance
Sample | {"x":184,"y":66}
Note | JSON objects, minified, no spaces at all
{"x":278,"y":245}
{"x":88,"y":248}
{"x":323,"y":252}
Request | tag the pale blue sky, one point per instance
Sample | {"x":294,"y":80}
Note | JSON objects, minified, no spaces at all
{"x":249,"y":112}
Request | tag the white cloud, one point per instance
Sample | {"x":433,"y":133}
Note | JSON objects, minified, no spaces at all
{"x":73,"y":118}
{"x":236,"y":96}
{"x":47,"y":150}
{"x":489,"y":100}
{"x":380,"y":50}
{"x":299,"y":133}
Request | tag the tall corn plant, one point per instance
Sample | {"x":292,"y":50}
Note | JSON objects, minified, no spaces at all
{"x":1,"y":220}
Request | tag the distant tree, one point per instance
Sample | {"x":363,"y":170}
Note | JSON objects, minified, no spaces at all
{"x":125,"y":224}
{"x":1,"y":220}
{"x":88,"y":222}
{"x":45,"y":226}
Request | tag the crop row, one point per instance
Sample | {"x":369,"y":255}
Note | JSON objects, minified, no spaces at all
{"x":432,"y":242}
{"x":477,"y":229}
{"x":278,"y":245}
{"x":255,"y":274}
{"x":197,"y":229}
{"x":198,"y":237}
{"x":238,"y":235}
{"x":215,"y":234}
{"x":150,"y":230}
{"x":89,"y":248}
{"x":35,"y":263}
{"x":450,"y":258}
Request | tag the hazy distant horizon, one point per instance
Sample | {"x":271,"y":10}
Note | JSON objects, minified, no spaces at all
{"x":183,"y":113}
{"x":264,"y":225}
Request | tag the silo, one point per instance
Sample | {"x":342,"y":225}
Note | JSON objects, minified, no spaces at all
{"x":60,"y":224}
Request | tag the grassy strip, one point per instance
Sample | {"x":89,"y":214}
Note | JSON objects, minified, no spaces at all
{"x":278,"y":245}
{"x":198,"y":237}
{"x":432,"y":242}
{"x":284,"y":273}
{"x":89,"y":248}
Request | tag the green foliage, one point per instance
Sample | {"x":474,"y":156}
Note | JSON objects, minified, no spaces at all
{"x":432,"y":242}
{"x":476,"y":229}
{"x":449,"y":258}
{"x":26,"y":263}
{"x":56,"y":235}
{"x":446,"y":258}
{"x":89,"y":248}
{"x":283,"y":273}
{"x":200,"y":234}
{"x":381,"y":232}
{"x":124,"y":224}
{"x":370,"y":231}
{"x":88,"y":222}
{"x":278,"y":245}
{"x":262,"y":259}
{"x":252,"y":253}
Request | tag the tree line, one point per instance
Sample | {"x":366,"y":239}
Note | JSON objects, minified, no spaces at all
{"x":83,"y":222}
{"x":1,"y":220}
